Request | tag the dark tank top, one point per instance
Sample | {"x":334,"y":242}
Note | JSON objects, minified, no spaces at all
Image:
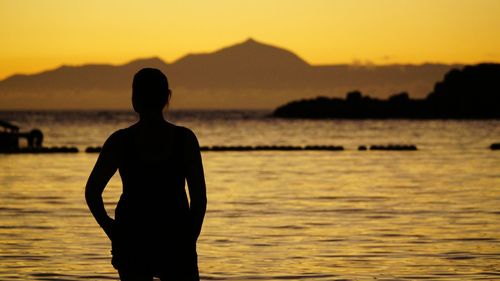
{"x":152,"y":219}
{"x":152,"y":189}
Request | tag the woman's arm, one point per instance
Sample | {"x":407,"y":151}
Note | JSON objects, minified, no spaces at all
{"x":104,"y":169}
{"x":196,"y":182}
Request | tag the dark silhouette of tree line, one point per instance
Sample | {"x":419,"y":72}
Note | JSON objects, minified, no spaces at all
{"x":469,"y":93}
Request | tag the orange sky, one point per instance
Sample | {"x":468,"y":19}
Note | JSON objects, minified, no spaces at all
{"x":38,"y":35}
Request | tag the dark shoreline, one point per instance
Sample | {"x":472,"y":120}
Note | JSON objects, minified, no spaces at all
{"x":469,"y":93}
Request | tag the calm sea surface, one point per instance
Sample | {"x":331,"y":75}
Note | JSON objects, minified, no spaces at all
{"x":431,"y":214}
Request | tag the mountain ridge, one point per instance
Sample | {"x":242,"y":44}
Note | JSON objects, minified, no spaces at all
{"x":249,"y":74}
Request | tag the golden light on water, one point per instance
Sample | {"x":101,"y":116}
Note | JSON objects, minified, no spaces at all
{"x":309,"y":215}
{"x":292,"y":215}
{"x":37,"y":35}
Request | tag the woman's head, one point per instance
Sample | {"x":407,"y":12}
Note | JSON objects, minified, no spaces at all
{"x":150,"y":91}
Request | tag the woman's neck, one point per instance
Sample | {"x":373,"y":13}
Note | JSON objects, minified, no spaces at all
{"x":151,"y":117}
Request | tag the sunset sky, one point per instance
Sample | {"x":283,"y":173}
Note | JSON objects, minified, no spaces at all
{"x":38,"y":35}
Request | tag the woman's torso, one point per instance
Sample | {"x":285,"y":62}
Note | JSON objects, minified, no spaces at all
{"x":152,"y":170}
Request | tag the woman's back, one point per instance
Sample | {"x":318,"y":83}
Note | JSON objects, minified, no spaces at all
{"x":152,"y":219}
{"x":152,"y":164}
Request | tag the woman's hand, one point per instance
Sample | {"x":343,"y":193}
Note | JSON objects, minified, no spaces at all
{"x":108,"y":227}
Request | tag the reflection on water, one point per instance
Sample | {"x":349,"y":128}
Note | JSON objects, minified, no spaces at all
{"x":431,"y":214}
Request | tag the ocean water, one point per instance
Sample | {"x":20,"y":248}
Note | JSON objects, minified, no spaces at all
{"x":431,"y":214}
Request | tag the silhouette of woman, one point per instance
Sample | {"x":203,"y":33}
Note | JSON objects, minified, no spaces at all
{"x":156,"y":227}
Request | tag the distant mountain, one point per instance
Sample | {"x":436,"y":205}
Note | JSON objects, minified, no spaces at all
{"x":246,"y":75}
{"x":247,"y":65}
{"x":469,"y":93}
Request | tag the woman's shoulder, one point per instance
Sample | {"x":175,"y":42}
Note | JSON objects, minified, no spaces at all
{"x":187,"y":136}
{"x":117,"y":137}
{"x":184,"y":131}
{"x":119,"y":134}
{"x":113,"y":145}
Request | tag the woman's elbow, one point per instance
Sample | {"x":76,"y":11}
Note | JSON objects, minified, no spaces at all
{"x":91,"y":194}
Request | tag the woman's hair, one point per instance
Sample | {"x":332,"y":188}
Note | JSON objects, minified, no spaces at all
{"x":150,"y":91}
